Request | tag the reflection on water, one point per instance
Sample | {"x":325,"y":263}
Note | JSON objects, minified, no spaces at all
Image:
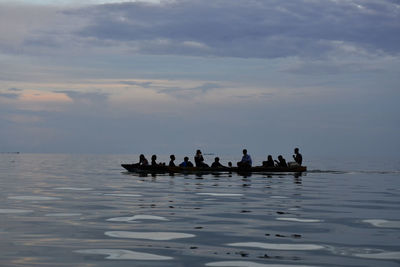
{"x":61,"y":210}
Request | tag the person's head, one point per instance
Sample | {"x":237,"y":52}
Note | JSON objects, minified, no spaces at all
{"x":154,"y":157}
{"x":186,"y":159}
{"x":269,"y":157}
{"x":198,"y":151}
{"x":141,"y":156}
{"x":296,"y":150}
{"x":230,"y":164}
{"x":216,"y":159}
{"x":172,"y":157}
{"x":244,"y":151}
{"x":280,"y":157}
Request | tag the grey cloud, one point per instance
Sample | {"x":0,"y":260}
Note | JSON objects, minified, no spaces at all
{"x":176,"y":91}
{"x":9,"y":95}
{"x":15,"y":89}
{"x":87,"y":98}
{"x":330,"y":68}
{"x":257,"y":29}
{"x":189,"y":92}
{"x":140,"y":84}
{"x":80,"y":95}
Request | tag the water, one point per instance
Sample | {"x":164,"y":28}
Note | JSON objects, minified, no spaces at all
{"x":69,"y":210}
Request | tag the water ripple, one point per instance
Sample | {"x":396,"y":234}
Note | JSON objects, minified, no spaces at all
{"x":220,"y":194}
{"x":148,"y":235}
{"x":394,"y":255}
{"x":277,"y":246}
{"x":298,"y":220}
{"x":122,"y":254}
{"x":14,"y":211}
{"x":137,"y":217}
{"x":383,"y":223}
{"x":74,"y":188}
{"x":124,"y":195}
{"x":33,"y":198}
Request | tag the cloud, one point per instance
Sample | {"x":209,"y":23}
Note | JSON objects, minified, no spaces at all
{"x":259,"y":29}
{"x":15,"y":89}
{"x":192,"y":92}
{"x":221,"y":28}
{"x":84,"y":96}
{"x":87,"y":102}
{"x":176,"y":91}
{"x":9,"y":95}
{"x":140,"y":84}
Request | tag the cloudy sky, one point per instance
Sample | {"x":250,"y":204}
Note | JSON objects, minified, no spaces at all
{"x":177,"y":75}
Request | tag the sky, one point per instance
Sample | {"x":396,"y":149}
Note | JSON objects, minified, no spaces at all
{"x":173,"y":76}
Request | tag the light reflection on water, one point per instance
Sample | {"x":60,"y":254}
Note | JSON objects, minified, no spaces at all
{"x":63,"y":210}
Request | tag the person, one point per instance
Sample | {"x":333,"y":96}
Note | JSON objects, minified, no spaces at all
{"x":171,"y":162}
{"x":186,"y":163}
{"x":297,"y":156}
{"x":230,"y":164}
{"x":142,"y":161}
{"x":246,"y":160}
{"x":269,"y":162}
{"x":199,"y":160}
{"x":216,"y":163}
{"x":281,"y":162}
{"x":153,"y":160}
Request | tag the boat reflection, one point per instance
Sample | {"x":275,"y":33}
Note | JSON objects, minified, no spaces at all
{"x":244,"y":175}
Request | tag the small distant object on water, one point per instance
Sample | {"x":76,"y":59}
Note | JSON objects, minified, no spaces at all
{"x":12,"y":152}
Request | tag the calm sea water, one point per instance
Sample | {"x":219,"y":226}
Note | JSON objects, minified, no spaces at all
{"x":84,"y":210}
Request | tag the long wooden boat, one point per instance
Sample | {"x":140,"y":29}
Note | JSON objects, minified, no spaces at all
{"x":187,"y":170}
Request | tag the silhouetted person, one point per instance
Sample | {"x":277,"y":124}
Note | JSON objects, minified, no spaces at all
{"x":153,"y":160}
{"x":269,"y":163}
{"x":297,"y":156}
{"x":216,"y":163}
{"x":199,"y":160}
{"x":142,"y":161}
{"x":186,"y":163}
{"x":230,"y":164}
{"x":171,"y":162}
{"x":281,"y":162}
{"x":246,"y":160}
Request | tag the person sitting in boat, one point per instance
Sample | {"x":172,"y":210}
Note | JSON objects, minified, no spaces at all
{"x":142,"y":161}
{"x":246,"y":160}
{"x":171,"y":162}
{"x":186,"y":163}
{"x":281,"y":162}
{"x":297,"y":156}
{"x":199,"y":160}
{"x":217,"y":164}
{"x":269,"y":162}
{"x":153,"y":161}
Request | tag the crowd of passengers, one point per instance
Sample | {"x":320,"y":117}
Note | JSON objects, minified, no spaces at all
{"x":246,"y":161}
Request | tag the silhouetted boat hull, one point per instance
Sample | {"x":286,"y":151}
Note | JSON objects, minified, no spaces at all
{"x":166,"y":169}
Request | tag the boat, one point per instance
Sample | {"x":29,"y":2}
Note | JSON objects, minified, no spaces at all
{"x":188,"y":170}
